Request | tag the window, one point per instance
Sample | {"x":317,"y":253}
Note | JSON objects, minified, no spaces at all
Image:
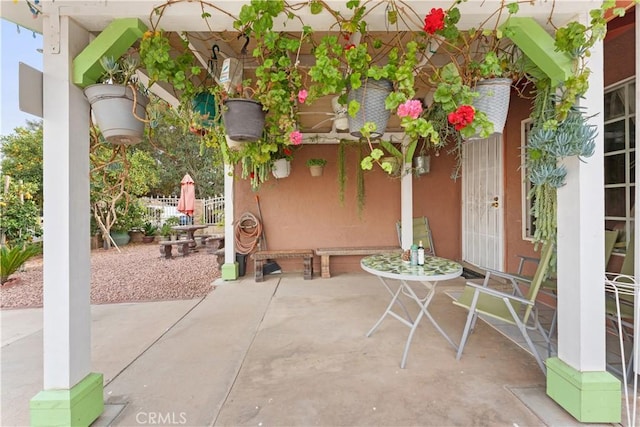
{"x":619,"y":156}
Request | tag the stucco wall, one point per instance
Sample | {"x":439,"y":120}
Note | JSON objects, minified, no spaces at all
{"x":303,"y":212}
{"x":519,"y":110}
{"x":619,"y":50}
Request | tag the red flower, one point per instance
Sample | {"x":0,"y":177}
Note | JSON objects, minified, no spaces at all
{"x":287,"y":151}
{"x":434,"y":21}
{"x":252,"y":175}
{"x":349,"y":46}
{"x":462,"y":116}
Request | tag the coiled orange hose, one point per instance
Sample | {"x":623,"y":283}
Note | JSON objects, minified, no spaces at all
{"x":247,"y":231}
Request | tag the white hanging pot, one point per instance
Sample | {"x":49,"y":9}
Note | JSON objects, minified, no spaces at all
{"x":281,"y":168}
{"x":112,"y":107}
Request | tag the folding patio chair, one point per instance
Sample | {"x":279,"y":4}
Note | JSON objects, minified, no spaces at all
{"x":505,"y":307}
{"x":421,"y":231}
{"x":619,"y":308}
{"x":550,"y":284}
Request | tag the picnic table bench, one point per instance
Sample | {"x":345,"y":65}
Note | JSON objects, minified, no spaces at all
{"x":260,"y":257}
{"x":182,"y":245}
{"x":326,"y":253}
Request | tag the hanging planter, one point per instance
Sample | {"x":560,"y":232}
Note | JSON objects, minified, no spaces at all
{"x":494,"y":101}
{"x":421,"y":165}
{"x":204,"y":103}
{"x":112,"y":106}
{"x":281,"y":168}
{"x":235,"y":145}
{"x":243,"y":119}
{"x":371,"y":96}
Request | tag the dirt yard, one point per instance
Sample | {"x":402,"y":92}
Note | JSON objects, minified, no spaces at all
{"x":138,"y":273}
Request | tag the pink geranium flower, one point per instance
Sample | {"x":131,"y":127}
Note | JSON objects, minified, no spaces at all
{"x":295,"y":137}
{"x":411,"y":108}
{"x":302,"y":96}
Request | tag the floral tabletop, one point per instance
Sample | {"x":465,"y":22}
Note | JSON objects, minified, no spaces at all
{"x":392,"y":266}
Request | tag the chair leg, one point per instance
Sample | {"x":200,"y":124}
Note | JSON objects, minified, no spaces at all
{"x":465,"y":334}
{"x":525,"y":335}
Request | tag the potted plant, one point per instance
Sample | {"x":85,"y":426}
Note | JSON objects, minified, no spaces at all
{"x":150,"y":230}
{"x":113,"y":98}
{"x":316,"y":166}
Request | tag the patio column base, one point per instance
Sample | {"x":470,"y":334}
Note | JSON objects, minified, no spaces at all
{"x":590,"y":397}
{"x":229,"y":271}
{"x":78,"y":406}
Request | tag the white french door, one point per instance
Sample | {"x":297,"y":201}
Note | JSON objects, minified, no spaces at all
{"x":482,"y":203}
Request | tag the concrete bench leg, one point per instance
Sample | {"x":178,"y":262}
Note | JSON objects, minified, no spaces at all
{"x":308,"y":268}
{"x":324,"y":266}
{"x":183,"y":249}
{"x":258,"y":267}
{"x":165,"y":251}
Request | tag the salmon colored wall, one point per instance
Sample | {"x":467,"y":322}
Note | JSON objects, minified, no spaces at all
{"x":519,"y":109}
{"x":619,"y":50}
{"x":304,"y":212}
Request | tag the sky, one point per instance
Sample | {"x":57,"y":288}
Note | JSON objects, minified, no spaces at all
{"x":14,"y":48}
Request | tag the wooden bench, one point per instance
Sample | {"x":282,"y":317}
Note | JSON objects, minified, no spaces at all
{"x":183,"y":247}
{"x":326,"y":253}
{"x":260,"y":257}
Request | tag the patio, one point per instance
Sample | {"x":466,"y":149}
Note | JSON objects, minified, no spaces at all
{"x":287,"y":352}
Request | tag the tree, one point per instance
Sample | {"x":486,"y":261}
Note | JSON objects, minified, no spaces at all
{"x":22,"y":157}
{"x":118,"y":175}
{"x":19,"y":214}
{"x":178,"y":151}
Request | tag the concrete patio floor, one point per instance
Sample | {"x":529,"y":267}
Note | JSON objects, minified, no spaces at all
{"x":287,"y":352}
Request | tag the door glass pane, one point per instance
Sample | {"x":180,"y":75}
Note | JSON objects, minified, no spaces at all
{"x":614,"y":169}
{"x":614,"y":203}
{"x":632,"y":98}
{"x":632,"y":155}
{"x":632,"y":132}
{"x":614,"y":104}
{"x":614,"y":136}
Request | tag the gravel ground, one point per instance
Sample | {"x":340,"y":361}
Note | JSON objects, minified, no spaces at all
{"x":138,"y":273}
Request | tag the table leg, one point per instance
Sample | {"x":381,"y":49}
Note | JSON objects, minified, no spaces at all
{"x":392,"y":293}
{"x":424,"y":304}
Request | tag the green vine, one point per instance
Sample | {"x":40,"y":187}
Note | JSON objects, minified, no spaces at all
{"x":342,"y":176}
{"x":360,"y":182}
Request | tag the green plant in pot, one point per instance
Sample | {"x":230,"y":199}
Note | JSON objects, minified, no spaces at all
{"x":276,"y":86}
{"x":316,"y":166}
{"x":119,"y":87}
{"x":150,"y":230}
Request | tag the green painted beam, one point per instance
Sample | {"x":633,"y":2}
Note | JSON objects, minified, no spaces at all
{"x":539,"y":47}
{"x":113,"y":41}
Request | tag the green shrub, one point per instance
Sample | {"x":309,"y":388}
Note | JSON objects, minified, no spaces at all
{"x":11,"y":259}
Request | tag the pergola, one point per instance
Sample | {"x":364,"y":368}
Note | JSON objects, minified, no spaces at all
{"x":577,"y":378}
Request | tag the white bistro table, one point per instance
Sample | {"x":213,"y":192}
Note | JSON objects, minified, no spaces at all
{"x":391,"y":266}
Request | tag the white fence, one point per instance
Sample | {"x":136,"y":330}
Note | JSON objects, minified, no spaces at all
{"x":160,"y":208}
{"x":213,"y":210}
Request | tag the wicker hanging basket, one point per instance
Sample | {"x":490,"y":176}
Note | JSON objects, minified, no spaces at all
{"x":494,"y":101}
{"x":371,"y":96}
